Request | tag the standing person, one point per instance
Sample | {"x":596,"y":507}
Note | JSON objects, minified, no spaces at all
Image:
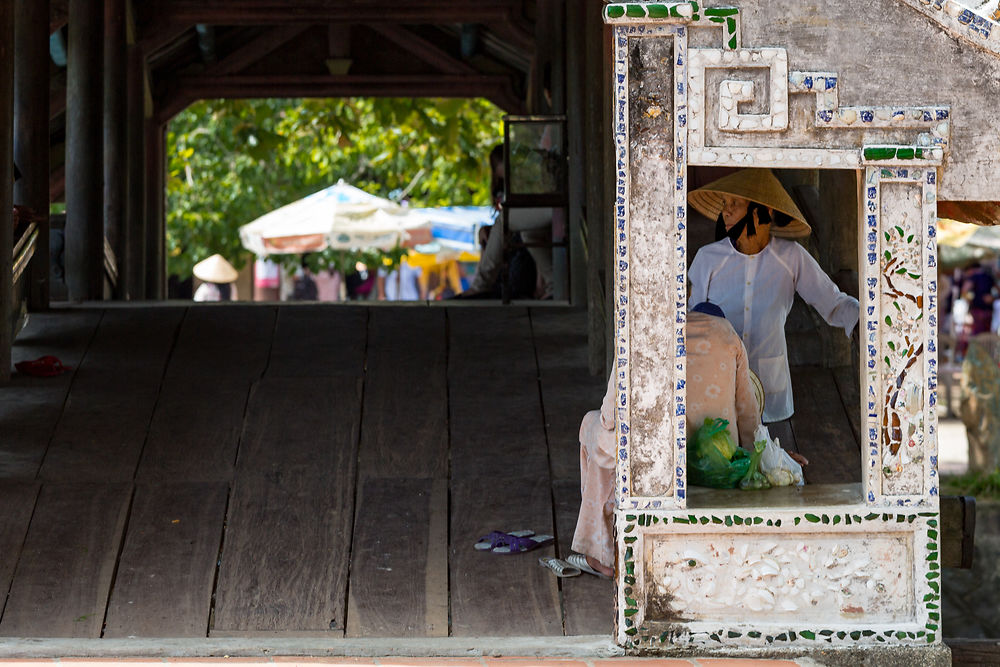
{"x":401,"y":284}
{"x":218,"y":277}
{"x":978,"y":289}
{"x":719,"y":384}
{"x":753,"y":272}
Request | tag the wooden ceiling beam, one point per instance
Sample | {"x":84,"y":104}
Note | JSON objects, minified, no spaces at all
{"x":270,"y":12}
{"x":187,"y":89}
{"x":58,"y":14}
{"x":426,"y":51}
{"x":256,"y":49}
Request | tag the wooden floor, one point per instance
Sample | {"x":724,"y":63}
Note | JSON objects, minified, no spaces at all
{"x":310,"y":471}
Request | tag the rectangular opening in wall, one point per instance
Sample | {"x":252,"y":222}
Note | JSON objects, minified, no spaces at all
{"x":793,"y":303}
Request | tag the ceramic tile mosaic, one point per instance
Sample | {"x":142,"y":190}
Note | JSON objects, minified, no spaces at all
{"x":650,"y":112}
{"x":898,"y":313}
{"x":861,"y":574}
{"x":822,"y":578}
{"x":929,"y":146}
{"x":964,"y":21}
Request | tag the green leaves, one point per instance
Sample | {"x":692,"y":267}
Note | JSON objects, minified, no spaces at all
{"x":231,"y":161}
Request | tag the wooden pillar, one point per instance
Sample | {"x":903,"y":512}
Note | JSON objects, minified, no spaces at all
{"x":31,"y":133}
{"x":6,"y":186}
{"x":115,"y":130}
{"x":156,"y":278}
{"x":575,"y":125}
{"x":134,"y":264}
{"x":600,"y":183}
{"x":84,"y":154}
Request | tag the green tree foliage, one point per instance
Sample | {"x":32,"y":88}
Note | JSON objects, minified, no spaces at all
{"x":231,"y":161}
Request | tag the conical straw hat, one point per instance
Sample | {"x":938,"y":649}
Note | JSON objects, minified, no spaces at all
{"x":215,"y":269}
{"x":759,"y":185}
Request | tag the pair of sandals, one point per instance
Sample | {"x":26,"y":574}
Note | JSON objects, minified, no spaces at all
{"x":519,"y":541}
{"x":571,"y":567}
{"x":514,"y":542}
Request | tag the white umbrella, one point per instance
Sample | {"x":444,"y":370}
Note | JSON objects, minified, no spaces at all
{"x":340,"y":216}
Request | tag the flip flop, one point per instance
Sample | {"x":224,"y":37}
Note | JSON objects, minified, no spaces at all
{"x":499,"y":538}
{"x":47,"y":366}
{"x":560,"y":567}
{"x":517,"y":545}
{"x":580,"y":561}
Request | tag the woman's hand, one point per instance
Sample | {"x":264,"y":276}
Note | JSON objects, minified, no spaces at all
{"x":798,"y":458}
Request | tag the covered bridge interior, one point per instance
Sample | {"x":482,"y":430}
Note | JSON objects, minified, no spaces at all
{"x":271,"y":470}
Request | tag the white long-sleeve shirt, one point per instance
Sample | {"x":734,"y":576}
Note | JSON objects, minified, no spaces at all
{"x":756,"y":293}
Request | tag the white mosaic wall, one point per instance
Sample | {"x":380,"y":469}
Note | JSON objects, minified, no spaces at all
{"x":899,"y":316}
{"x":862,"y":574}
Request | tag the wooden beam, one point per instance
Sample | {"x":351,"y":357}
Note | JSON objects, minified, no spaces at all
{"x":31,"y":133}
{"x":115,"y":126}
{"x":134,"y":275}
{"x":84,"y":154}
{"x":498,"y":89}
{"x":6,"y":187}
{"x":156,"y":277}
{"x":57,"y":92}
{"x":426,"y":51}
{"x":58,"y":14}
{"x":256,"y":49}
{"x":271,"y":12}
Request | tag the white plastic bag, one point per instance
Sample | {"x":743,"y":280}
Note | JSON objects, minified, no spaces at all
{"x":779,"y":468}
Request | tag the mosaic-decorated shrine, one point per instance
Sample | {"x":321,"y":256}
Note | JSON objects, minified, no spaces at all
{"x":825,"y":567}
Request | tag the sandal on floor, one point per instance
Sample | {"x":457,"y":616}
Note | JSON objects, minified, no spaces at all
{"x":517,"y":545}
{"x":559,"y":566}
{"x":580,"y":561}
{"x":498,"y":539}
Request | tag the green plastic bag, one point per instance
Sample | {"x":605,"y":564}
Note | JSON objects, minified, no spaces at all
{"x":755,"y":480}
{"x":714,"y":460}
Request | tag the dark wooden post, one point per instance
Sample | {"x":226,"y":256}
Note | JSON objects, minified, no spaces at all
{"x":31,"y":133}
{"x":575,"y":125}
{"x":84,"y":154}
{"x":6,"y":186}
{"x":155,"y":232}
{"x":134,"y":272}
{"x":115,"y":129}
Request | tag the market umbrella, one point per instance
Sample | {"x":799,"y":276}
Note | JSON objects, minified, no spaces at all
{"x":960,"y":243}
{"x":340,"y":217}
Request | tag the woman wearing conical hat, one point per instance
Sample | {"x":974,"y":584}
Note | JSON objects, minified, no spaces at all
{"x":753,"y":271}
{"x":217,"y":276}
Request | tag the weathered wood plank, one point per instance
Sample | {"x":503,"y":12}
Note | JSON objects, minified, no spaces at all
{"x":405,"y":427}
{"x":61,"y":584}
{"x":822,"y":429}
{"x":195,"y":430}
{"x":104,"y":422}
{"x":30,"y":406}
{"x":567,"y":395}
{"x":18,"y":502}
{"x":285,"y":556}
{"x":100,"y":434}
{"x":301,"y":424}
{"x":494,"y":595}
{"x":496,"y":418}
{"x":284,"y":562}
{"x":222,"y":340}
{"x":319,"y":340}
{"x":167,"y":566}
{"x":399,"y":583}
{"x":588,"y":601}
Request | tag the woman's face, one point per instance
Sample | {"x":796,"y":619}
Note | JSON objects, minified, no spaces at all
{"x":733,"y":209}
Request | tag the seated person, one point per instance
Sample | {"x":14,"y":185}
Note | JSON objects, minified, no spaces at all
{"x":718,"y":385}
{"x":534,"y":226}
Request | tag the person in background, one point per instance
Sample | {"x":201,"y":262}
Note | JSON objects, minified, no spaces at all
{"x":266,"y":280}
{"x":533,"y":224}
{"x":401,"y":284}
{"x":218,"y":277}
{"x":753,"y":272}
